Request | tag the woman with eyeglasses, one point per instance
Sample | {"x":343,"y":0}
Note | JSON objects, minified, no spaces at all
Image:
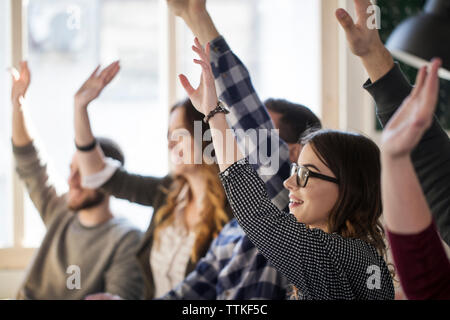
{"x":331,"y":245}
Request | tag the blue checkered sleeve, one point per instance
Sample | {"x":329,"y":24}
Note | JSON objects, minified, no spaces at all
{"x":253,"y":127}
{"x":233,"y":269}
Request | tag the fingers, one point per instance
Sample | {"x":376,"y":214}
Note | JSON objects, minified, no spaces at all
{"x":14,"y":74}
{"x":203,"y":53}
{"x":427,"y":82}
{"x":105,"y":74}
{"x":186,"y":85}
{"x":207,"y":51}
{"x":345,"y":20}
{"x":420,"y":81}
{"x":432,"y":81}
{"x":197,"y":43}
{"x":112,"y":74}
{"x":202,"y":63}
{"x":25,"y":72}
{"x":206,"y":71}
{"x":361,"y":8}
{"x":429,"y":94}
{"x":93,"y":74}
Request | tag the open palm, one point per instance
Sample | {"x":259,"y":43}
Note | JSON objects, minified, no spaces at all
{"x":20,"y":82}
{"x":414,"y":117}
{"x":94,"y":85}
{"x":204,"y":98}
{"x":361,"y":39}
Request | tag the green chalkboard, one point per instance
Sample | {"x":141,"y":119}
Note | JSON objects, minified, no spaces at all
{"x":393,"y":12}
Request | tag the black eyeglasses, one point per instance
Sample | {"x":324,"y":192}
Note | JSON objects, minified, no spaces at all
{"x":303,"y":173}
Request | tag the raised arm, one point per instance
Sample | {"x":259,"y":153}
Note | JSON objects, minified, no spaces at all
{"x":96,"y":170}
{"x":247,"y":112}
{"x":31,"y":169}
{"x":389,"y":87}
{"x":419,"y":256}
{"x":204,"y":99}
{"x":245,"y":189}
{"x":20,"y":83}
{"x":405,"y":207}
{"x":91,"y":161}
{"x":364,"y":41}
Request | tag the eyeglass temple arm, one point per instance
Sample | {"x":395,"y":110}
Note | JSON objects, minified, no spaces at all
{"x":323,"y":177}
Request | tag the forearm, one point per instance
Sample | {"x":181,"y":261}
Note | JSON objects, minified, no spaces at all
{"x":201,"y":25}
{"x":377,"y":62}
{"x":32,"y":170}
{"x":225,"y":146}
{"x":248,"y":115}
{"x":421,"y":263}
{"x":20,"y":134}
{"x":405,"y":207}
{"x":90,"y":162}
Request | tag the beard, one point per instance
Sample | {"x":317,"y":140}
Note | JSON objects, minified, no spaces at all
{"x":89,"y":202}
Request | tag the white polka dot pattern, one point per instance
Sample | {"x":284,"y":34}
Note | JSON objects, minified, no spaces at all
{"x":319,"y":264}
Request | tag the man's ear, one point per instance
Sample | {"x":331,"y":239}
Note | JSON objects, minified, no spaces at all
{"x":294,"y":151}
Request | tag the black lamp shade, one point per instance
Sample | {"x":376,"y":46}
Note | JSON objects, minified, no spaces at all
{"x":419,"y":39}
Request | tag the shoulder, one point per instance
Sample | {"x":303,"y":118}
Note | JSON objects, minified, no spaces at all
{"x":230,"y":233}
{"x":122,"y":230}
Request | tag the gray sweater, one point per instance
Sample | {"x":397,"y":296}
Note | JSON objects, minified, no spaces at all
{"x":73,"y":260}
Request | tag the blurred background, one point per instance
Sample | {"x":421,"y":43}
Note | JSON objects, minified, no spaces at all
{"x":294,"y":49}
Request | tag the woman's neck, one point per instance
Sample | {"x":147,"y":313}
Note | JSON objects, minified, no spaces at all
{"x":197,"y":186}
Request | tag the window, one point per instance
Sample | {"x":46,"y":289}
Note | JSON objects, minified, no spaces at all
{"x":66,"y":40}
{"x":6,"y":225}
{"x":282,"y":68}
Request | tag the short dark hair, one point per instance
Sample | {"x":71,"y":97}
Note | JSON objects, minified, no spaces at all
{"x":111,"y":149}
{"x":295,"y":119}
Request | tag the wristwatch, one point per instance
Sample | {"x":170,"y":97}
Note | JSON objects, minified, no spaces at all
{"x":221,"y":108}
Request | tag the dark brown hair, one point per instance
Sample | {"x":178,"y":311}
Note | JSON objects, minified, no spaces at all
{"x":295,"y":118}
{"x":355,"y":161}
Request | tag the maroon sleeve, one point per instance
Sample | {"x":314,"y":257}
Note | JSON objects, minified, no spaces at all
{"x":422,"y":264}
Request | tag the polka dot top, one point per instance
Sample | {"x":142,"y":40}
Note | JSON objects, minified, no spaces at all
{"x":319,"y":264}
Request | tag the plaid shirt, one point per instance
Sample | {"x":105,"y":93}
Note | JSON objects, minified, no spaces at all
{"x":247,"y":112}
{"x":233,"y":268}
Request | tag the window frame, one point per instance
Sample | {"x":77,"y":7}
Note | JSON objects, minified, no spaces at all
{"x":340,"y":73}
{"x":17,"y":256}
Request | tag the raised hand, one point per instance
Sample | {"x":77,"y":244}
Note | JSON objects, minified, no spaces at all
{"x":94,"y":85}
{"x":414,"y":117}
{"x":183,"y":8}
{"x":365,"y":42}
{"x":361,"y":39}
{"x":204,"y":98}
{"x":20,"y":83}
